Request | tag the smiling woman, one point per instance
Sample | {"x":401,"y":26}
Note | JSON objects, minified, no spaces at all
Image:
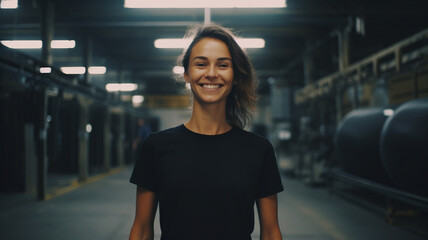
{"x":207,"y":174}
{"x":242,"y":97}
{"x":210,"y":73}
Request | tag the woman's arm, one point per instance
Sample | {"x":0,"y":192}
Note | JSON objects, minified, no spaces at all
{"x":145,"y":213}
{"x":268,"y":215}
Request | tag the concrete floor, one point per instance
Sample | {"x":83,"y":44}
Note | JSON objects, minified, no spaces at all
{"x":104,"y":210}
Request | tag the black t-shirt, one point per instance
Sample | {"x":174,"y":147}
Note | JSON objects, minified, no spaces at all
{"x":207,"y":184}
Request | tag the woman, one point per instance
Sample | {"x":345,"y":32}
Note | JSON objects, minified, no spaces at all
{"x":207,"y":174}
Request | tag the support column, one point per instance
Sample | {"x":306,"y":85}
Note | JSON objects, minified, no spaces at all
{"x":41,"y":141}
{"x":48,"y":16}
{"x":338,"y":96}
{"x":398,"y":55}
{"x":308,"y":69}
{"x":87,"y":61}
{"x":83,"y":160}
{"x":344,"y":59}
{"x":107,"y":140}
{"x":121,"y":136}
{"x":207,"y":15}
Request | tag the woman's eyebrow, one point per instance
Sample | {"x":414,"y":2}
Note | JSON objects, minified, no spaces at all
{"x":200,"y":57}
{"x":224,"y":58}
{"x":218,"y":59}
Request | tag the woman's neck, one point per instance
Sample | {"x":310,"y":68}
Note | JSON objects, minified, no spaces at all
{"x":208,"y":119}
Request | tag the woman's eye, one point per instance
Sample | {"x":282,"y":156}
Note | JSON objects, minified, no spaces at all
{"x":223,"y":65}
{"x":200,"y":64}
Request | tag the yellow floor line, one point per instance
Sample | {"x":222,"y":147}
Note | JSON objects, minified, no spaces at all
{"x":76,"y":184}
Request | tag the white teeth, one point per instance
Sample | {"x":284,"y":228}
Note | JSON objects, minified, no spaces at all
{"x":211,"y":86}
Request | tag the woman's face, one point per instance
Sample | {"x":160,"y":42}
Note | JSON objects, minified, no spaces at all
{"x":210,"y":71}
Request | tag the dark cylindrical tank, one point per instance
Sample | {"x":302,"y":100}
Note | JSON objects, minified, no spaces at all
{"x":357,"y":144}
{"x":404,"y":146}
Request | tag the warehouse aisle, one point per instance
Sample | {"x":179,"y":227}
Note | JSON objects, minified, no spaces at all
{"x":104,"y":210}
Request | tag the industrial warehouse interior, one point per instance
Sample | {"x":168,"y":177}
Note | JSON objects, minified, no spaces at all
{"x":342,"y":97}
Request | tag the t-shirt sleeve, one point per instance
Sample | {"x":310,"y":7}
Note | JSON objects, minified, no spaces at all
{"x":270,"y":178}
{"x":144,"y":171}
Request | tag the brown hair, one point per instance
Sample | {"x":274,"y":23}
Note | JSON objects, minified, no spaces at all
{"x":242,"y":99}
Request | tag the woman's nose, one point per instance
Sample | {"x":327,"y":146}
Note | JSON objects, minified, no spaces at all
{"x":211,"y":72}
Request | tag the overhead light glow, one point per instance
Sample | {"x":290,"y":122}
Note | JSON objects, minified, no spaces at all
{"x":37,"y":44}
{"x":121,"y":87}
{"x":97,"y":70}
{"x":185,"y":42}
{"x":172,"y":43}
{"x":73,"y":70}
{"x":388,"y":112}
{"x":22,"y":44}
{"x":251,"y":42}
{"x":178,"y":70}
{"x":88,"y":128}
{"x":9,"y":4}
{"x":205,"y":4}
{"x":137,"y":99}
{"x":45,"y":70}
{"x":61,"y":44}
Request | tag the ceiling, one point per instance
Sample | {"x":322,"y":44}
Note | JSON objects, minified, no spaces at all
{"x":122,"y":39}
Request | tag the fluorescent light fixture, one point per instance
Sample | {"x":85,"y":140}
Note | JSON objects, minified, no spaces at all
{"x":205,"y":4}
{"x":9,"y":4}
{"x":172,"y":43}
{"x":61,"y":44}
{"x":45,"y":70}
{"x":388,"y":112}
{"x":22,"y":44}
{"x":73,"y":70}
{"x":185,"y":42}
{"x":137,"y":99}
{"x":251,"y":42}
{"x":82,"y":70}
{"x":97,"y":70}
{"x":37,"y":44}
{"x":122,"y":87}
{"x":178,"y":70}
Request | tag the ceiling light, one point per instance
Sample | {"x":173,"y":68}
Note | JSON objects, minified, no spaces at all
{"x":63,"y":44}
{"x":122,"y":87}
{"x":97,"y":70}
{"x":178,"y":70}
{"x":205,"y":4}
{"x":137,"y":99}
{"x":22,"y":44}
{"x":388,"y":112}
{"x":185,"y":42}
{"x":251,"y":42}
{"x":172,"y":43}
{"x":37,"y":44}
{"x":9,"y":4}
{"x":45,"y":70}
{"x":88,"y":128}
{"x":73,"y":70}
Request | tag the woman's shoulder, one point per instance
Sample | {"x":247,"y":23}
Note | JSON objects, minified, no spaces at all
{"x":252,"y":137}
